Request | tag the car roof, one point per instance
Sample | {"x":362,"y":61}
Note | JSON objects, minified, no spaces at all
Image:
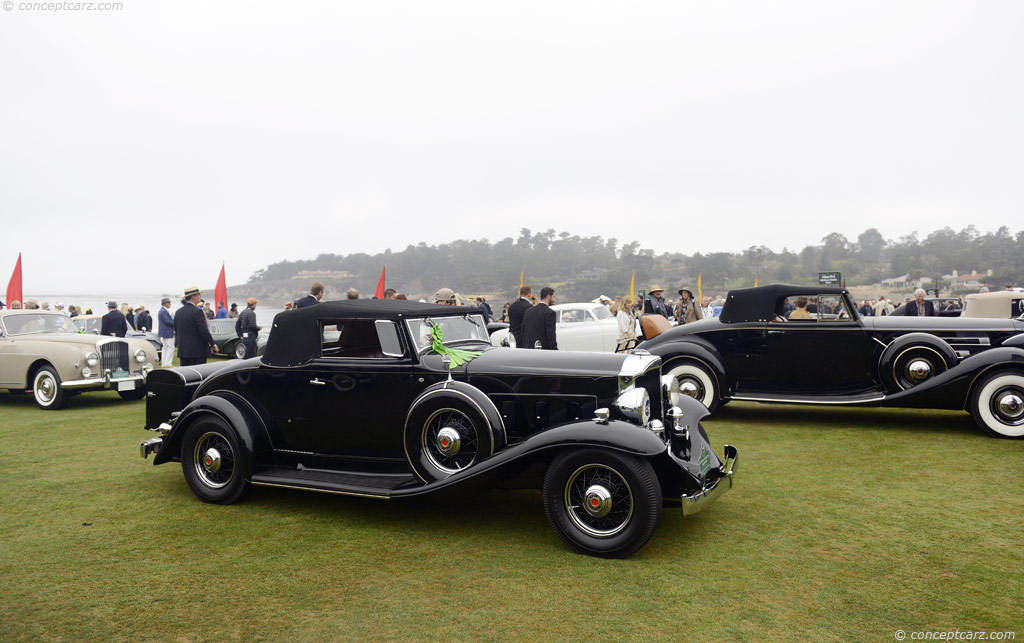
{"x":991,"y":304}
{"x":295,"y":336}
{"x":758,"y":304}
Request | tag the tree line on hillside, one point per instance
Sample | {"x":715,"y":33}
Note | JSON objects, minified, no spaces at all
{"x":582,"y":267}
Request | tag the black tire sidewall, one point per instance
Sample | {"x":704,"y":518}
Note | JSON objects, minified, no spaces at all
{"x":238,"y":484}
{"x":647,"y":500}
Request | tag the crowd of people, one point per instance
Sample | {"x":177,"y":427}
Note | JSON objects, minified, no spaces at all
{"x":531,"y":320}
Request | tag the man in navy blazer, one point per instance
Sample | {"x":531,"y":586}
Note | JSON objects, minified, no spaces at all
{"x":316,"y":293}
{"x":516,"y":312}
{"x":919,"y":307}
{"x":114,"y":323}
{"x":165,"y":330}
{"x":539,"y":323}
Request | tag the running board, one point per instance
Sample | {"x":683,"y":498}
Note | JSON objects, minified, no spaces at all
{"x":810,"y":399}
{"x":343,"y":482}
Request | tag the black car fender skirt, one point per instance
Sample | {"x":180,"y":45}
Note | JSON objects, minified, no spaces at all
{"x":229,"y":407}
{"x":897,"y":362}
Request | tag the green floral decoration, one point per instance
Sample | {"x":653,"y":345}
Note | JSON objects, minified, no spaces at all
{"x":458,"y":356}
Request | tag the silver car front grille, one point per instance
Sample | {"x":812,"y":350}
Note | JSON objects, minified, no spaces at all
{"x":114,"y":356}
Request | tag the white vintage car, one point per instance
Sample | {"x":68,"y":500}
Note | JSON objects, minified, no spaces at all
{"x":581,"y":327}
{"x":44,"y":351}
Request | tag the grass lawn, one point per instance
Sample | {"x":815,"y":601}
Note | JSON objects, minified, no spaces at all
{"x":845,"y":524}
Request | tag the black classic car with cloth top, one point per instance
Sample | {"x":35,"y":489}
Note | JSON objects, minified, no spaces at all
{"x":392,"y":399}
{"x":807,"y":344}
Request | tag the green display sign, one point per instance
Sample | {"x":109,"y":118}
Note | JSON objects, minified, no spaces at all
{"x":830,"y":279}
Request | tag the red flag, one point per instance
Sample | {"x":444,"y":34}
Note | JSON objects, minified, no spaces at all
{"x":220,"y":293}
{"x":380,"y":286}
{"x":14,"y":287}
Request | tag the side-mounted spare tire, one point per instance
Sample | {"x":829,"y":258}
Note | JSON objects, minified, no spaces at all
{"x":450,"y":427}
{"x":914,"y":359}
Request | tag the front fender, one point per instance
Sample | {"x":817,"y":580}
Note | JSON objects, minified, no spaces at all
{"x":230,"y":408}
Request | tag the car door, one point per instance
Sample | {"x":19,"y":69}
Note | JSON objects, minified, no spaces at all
{"x":830,"y":354}
{"x":360,"y":390}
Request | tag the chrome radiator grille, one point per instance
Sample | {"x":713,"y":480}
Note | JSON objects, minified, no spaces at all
{"x":114,"y":356}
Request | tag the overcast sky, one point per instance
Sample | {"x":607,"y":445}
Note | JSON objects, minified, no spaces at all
{"x":141,"y":147}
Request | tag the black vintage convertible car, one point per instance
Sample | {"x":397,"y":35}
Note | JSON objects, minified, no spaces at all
{"x":824,"y":353}
{"x":391,"y":399}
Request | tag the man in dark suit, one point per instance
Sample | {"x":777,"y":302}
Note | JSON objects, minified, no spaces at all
{"x":114,"y":323}
{"x":316,"y":293}
{"x":919,"y":307}
{"x":516,"y":311}
{"x":192,"y":334}
{"x":539,"y":323}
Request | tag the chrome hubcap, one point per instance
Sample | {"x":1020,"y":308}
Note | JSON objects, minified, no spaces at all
{"x":211,"y":460}
{"x":1010,"y":406}
{"x":919,"y":370}
{"x":597,"y":501}
{"x":690,"y":388}
{"x":448,"y":441}
{"x":45,"y":388}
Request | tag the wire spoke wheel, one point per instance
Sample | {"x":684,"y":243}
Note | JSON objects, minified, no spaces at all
{"x":214,"y":460}
{"x":598,"y":500}
{"x":450,"y":440}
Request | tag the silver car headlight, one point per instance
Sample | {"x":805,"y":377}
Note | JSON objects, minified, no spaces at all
{"x":635,"y":404}
{"x":140,"y":356}
{"x":92,"y":359}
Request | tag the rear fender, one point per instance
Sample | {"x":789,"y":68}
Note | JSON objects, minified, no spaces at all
{"x":694,"y":348}
{"x":229,"y":407}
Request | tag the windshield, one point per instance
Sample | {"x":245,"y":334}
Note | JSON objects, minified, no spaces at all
{"x":35,"y":323}
{"x":602,"y":312}
{"x":457,"y":330}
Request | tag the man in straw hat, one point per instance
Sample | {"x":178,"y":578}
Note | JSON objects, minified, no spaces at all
{"x":654,"y":304}
{"x":192,"y":334}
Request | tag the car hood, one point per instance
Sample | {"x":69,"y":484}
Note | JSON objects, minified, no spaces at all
{"x":521,"y":361}
{"x":82,"y":339}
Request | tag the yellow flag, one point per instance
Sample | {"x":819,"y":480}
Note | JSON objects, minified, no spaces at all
{"x":700,"y":293}
{"x":755,"y":281}
{"x":632,"y":289}
{"x":521,"y":276}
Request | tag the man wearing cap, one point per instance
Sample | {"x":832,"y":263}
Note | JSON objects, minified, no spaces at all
{"x":246,"y":327}
{"x":191,"y":332}
{"x":114,"y":323}
{"x":60,"y":309}
{"x":687,"y":310}
{"x":165,"y":329}
{"x":654,"y":304}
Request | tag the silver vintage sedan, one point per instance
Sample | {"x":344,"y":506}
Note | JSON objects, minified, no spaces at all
{"x":45,"y":352}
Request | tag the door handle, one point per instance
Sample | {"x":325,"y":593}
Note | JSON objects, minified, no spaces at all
{"x":776,"y":332}
{"x":317,"y":382}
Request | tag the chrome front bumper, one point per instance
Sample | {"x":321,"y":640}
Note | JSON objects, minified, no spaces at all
{"x":116,"y":383}
{"x":709,"y":494}
{"x":151,"y":445}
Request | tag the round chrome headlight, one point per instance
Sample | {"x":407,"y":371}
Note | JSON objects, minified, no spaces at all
{"x":92,"y":359}
{"x":635,"y":404}
{"x":140,"y":356}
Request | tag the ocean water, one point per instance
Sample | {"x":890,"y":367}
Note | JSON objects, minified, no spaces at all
{"x":98,"y":303}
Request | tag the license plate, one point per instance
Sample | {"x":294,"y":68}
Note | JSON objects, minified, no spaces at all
{"x":126,"y":386}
